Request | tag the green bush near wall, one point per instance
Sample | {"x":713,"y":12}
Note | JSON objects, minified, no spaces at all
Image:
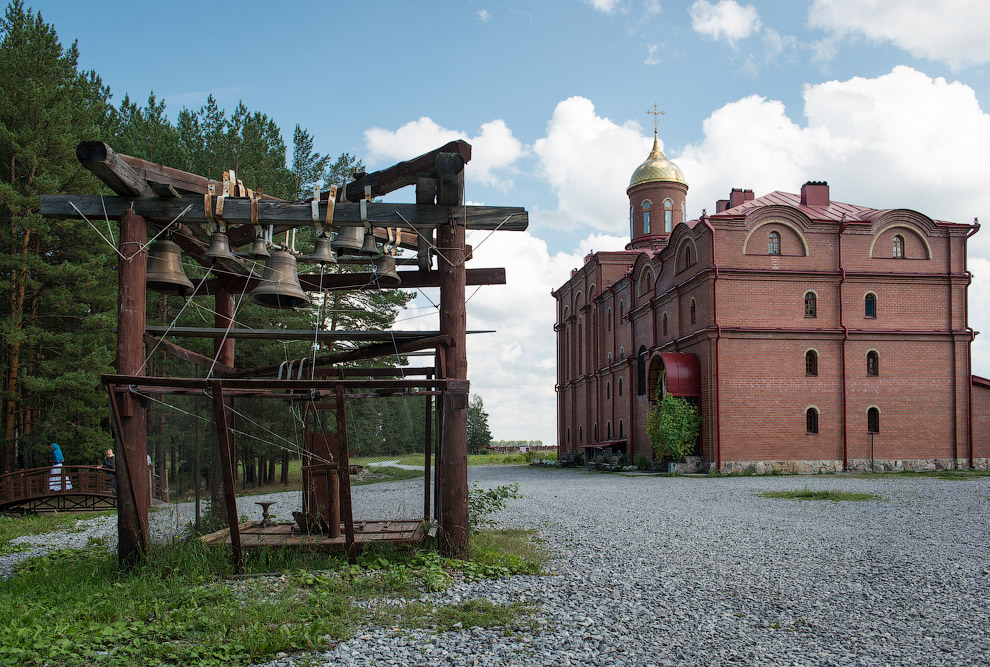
{"x":673,"y":424}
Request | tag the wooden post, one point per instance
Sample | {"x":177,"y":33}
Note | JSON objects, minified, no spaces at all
{"x":453,"y":322}
{"x":224,"y":313}
{"x":132,"y":482}
{"x":344,"y":466}
{"x":226,"y":449}
{"x":428,"y":455}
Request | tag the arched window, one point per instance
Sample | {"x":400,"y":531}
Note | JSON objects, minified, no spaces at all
{"x":664,"y":321}
{"x":687,"y":256}
{"x":596,"y":431}
{"x":773,"y":244}
{"x":899,"y":246}
{"x":620,"y":386}
{"x":568,"y":435}
{"x":871,"y":304}
{"x":668,"y":214}
{"x":580,"y":433}
{"x":872,"y":363}
{"x":620,"y":429}
{"x":641,"y":371}
{"x":873,"y":420}
{"x":610,"y":358}
{"x":646,"y":216}
{"x":608,"y":318}
{"x":810,"y":304}
{"x":632,"y":229}
{"x":811,"y":362}
{"x":694,"y":313}
{"x":622,"y":310}
{"x":622,"y":352}
{"x":608,"y":390}
{"x":683,"y":211}
{"x":608,"y":430}
{"x":811,"y":419}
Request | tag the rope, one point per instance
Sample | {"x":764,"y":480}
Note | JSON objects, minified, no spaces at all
{"x":174,"y":321}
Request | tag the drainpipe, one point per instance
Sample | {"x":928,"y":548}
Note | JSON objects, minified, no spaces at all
{"x":952,"y":340}
{"x":718,"y":336}
{"x":969,"y":348}
{"x":845,"y":337}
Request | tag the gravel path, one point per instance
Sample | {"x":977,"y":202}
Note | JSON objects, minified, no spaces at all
{"x":698,"y":571}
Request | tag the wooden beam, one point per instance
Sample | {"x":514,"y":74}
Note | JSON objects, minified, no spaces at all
{"x":112,"y":170}
{"x":296,"y":334}
{"x":182,"y":181}
{"x":187,"y":355}
{"x":237,"y":211}
{"x":367,"y":352}
{"x":404,"y":173}
{"x":226,"y":448}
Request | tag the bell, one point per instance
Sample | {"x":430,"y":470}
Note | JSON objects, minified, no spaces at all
{"x":219,"y":248}
{"x":348,"y":241}
{"x":370,"y":246}
{"x":385,"y":270}
{"x":165,"y":272}
{"x":280,"y":286}
{"x":260,"y":249}
{"x":322,"y":254}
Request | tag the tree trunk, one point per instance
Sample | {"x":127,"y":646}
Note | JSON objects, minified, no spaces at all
{"x":14,"y":358}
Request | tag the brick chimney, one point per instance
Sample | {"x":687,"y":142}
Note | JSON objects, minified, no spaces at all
{"x":815,"y":193}
{"x":739,"y":196}
{"x":721,"y":205}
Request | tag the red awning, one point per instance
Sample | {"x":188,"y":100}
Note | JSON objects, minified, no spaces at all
{"x":683,"y":373}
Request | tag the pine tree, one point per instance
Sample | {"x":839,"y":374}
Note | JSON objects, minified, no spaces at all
{"x":56,"y":276}
{"x":478,"y":435}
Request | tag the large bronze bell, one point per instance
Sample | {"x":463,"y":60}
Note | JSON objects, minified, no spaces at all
{"x":219,"y":248}
{"x":349,"y":241}
{"x":322,"y":253}
{"x":370,"y":245}
{"x":259,"y":250}
{"x":280,"y":286}
{"x":385,"y":270}
{"x":165,"y":272}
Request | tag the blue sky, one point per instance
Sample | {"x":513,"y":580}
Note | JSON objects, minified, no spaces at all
{"x":882,"y":99}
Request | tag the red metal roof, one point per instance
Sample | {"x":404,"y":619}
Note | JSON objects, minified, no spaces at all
{"x":683,"y":373}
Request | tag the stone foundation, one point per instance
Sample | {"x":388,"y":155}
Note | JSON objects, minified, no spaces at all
{"x":862,"y":465}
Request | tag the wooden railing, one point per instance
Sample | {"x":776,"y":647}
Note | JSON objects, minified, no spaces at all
{"x":65,"y":488}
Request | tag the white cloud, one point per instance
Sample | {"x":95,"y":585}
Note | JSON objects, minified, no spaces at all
{"x":587,"y":161}
{"x":652,"y":55}
{"x":725,"y":19}
{"x":604,"y":6}
{"x":494,"y":149}
{"x":951,"y":31}
{"x":484,"y":15}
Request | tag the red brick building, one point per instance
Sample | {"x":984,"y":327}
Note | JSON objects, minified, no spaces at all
{"x":813,"y":334}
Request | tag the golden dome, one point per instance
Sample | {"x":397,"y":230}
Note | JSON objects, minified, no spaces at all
{"x":656,"y":168}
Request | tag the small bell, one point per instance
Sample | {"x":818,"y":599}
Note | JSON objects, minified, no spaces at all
{"x":280,"y":286}
{"x":385,"y":271}
{"x":322,"y":253}
{"x":165,"y":272}
{"x":219,"y":248}
{"x":259,"y":250}
{"x":370,"y":245}
{"x":348,"y":241}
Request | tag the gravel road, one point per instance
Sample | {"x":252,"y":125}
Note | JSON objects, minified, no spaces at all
{"x":698,"y":571}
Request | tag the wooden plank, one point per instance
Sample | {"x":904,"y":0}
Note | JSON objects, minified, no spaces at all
{"x":186,"y":355}
{"x":296,"y":334}
{"x":107,"y":166}
{"x":404,"y":173}
{"x":366,"y":281}
{"x":237,"y":211}
{"x":182,"y":181}
{"x":344,"y":487}
{"x":227,"y":470}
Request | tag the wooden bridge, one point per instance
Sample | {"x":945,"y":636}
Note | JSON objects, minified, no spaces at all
{"x":64,"y":489}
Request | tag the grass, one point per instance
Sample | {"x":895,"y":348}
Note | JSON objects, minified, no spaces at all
{"x":824,"y":494}
{"x":35,"y":524}
{"x":473,"y":459}
{"x":75,"y":607}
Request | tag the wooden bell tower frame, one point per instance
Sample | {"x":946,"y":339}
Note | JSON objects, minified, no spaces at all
{"x":155,"y":195}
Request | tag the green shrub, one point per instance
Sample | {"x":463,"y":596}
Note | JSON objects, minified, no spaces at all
{"x":483,"y":503}
{"x":642,"y":462}
{"x":672,"y":425}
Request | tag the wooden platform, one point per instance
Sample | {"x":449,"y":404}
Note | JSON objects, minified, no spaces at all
{"x":409,"y":532}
